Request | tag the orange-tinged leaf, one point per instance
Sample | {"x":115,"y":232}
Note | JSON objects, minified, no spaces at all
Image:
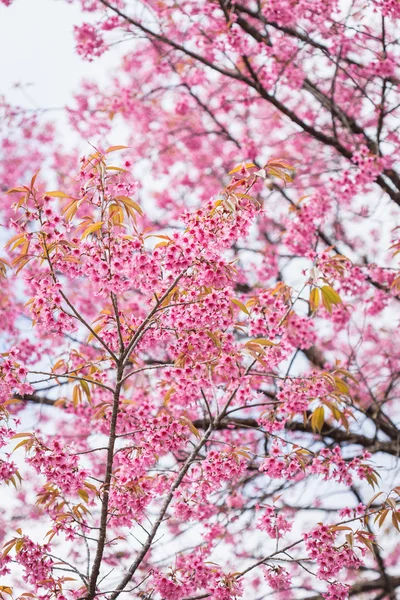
{"x":347,"y":374}
{"x":60,"y":363}
{"x":214,"y":338}
{"x":242,"y":452}
{"x":161,"y":237}
{"x":60,"y":402}
{"x":84,"y":495}
{"x":70,"y":209}
{"x":96,"y":329}
{"x":15,"y":238}
{"x":112,"y":168}
{"x":374,"y":497}
{"x":76,"y":396}
{"x":92,"y":229}
{"x":115,"y":148}
{"x":261,"y":342}
{"x":391,"y":503}
{"x":6,"y":589}
{"x":57,"y":194}
{"x":239,"y":167}
{"x":281,"y":163}
{"x":12,"y":401}
{"x":23,"y":443}
{"x":344,"y":421}
{"x":8,"y":547}
{"x":86,"y":389}
{"x":327,"y":304}
{"x":188,"y":423}
{"x":17,"y":189}
{"x":395,"y":521}
{"x":168,"y":395}
{"x":101,"y":410}
{"x":131,"y":203}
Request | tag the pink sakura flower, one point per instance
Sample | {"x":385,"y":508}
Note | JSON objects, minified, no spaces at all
{"x":320,"y":546}
{"x":37,"y":565}
{"x":89,"y":43}
{"x":337,"y":591}
{"x":227,"y":588}
{"x":278,"y":578}
{"x":274,"y":524}
{"x":7,"y":470}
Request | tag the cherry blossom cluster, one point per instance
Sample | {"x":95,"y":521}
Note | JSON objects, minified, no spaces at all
{"x":276,"y":525}
{"x":328,"y":463}
{"x":89,"y":43}
{"x":57,"y":464}
{"x":337,"y":591}
{"x":7,"y":470}
{"x":12,"y":375}
{"x":277,"y":578}
{"x":320,"y":546}
{"x":37,"y":565}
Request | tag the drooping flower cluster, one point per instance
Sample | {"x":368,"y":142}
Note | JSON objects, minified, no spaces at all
{"x":57,"y":464}
{"x":320,"y":546}
{"x":276,"y":525}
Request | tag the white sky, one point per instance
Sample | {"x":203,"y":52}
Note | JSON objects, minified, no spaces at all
{"x":37,"y":50}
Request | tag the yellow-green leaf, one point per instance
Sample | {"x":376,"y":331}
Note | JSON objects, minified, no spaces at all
{"x":318,"y":419}
{"x":330,"y":294}
{"x":341,"y":386}
{"x":240,"y":305}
